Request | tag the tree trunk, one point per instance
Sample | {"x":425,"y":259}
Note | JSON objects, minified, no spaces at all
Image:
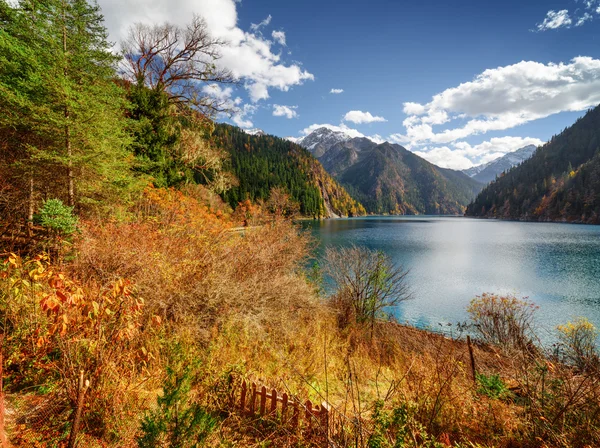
{"x":30,"y":211}
{"x":67,"y":128}
{"x":70,"y":162}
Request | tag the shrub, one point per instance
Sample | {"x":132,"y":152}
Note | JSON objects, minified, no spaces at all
{"x":503,"y":320}
{"x":578,"y":343}
{"x":397,"y":428}
{"x":179,"y":420}
{"x":57,"y":217}
{"x":367,"y":283}
{"x":492,"y":386}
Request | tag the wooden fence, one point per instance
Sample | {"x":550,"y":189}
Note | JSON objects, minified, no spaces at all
{"x":255,"y":400}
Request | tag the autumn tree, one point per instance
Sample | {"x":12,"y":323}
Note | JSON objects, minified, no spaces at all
{"x":169,"y":68}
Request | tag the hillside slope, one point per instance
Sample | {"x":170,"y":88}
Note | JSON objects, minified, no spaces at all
{"x":390,"y":179}
{"x":558,"y":183}
{"x":387,"y":178}
{"x":264,"y":162}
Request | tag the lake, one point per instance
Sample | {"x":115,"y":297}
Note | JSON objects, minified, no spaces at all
{"x":453,"y":259}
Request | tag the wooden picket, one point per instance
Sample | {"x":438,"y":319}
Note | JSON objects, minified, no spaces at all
{"x":255,"y":400}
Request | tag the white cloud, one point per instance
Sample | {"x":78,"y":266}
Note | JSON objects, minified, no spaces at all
{"x":279,"y":37}
{"x":218,"y":92}
{"x":242,"y":116}
{"x":445,"y":157}
{"x":336,"y":91}
{"x":359,"y":117}
{"x":285,"y":111}
{"x":414,"y":109}
{"x":238,"y":113}
{"x":247,"y":54}
{"x":555,"y":20}
{"x":265,"y":22}
{"x":497,"y":146}
{"x":562,"y":19}
{"x":462,"y":155}
{"x":502,"y":98}
{"x":584,"y":18}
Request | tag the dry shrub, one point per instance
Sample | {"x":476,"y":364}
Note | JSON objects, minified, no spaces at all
{"x":57,"y":327}
{"x":578,"y":344}
{"x":559,"y":405}
{"x":368,"y":284}
{"x":189,"y":267}
{"x":505,"y":321}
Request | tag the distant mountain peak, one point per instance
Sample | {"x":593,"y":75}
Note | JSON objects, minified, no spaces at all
{"x":255,"y":131}
{"x":321,"y":139}
{"x":388,"y":178}
{"x":487,"y":172}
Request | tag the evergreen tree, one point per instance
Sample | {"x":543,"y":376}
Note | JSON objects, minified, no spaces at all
{"x":73,"y":128}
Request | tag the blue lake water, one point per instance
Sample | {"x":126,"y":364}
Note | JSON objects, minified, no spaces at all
{"x":451,"y":260}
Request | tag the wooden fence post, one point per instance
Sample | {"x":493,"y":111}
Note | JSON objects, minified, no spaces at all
{"x":253,"y":398}
{"x":263,"y":400}
{"x":273,"y":402}
{"x":472,"y":357}
{"x":80,"y":396}
{"x":284,"y":407}
{"x":325,"y":418}
{"x":308,"y":414}
{"x":296,"y":416}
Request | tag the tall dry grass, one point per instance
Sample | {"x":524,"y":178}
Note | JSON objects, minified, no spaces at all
{"x":239,"y":305}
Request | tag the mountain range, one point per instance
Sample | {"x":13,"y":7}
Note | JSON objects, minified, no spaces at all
{"x":560,"y":182}
{"x":387,"y":178}
{"x":486,"y":173}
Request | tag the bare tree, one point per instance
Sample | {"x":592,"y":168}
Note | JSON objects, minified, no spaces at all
{"x":368,"y":284}
{"x":178,"y":61}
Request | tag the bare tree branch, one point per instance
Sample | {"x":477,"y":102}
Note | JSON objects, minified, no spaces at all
{"x":178,"y":61}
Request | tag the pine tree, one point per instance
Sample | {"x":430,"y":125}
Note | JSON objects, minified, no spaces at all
{"x":73,"y":128}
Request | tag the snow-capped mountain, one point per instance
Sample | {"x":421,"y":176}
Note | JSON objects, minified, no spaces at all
{"x":381,"y":173}
{"x":254,"y":131}
{"x":487,"y":172}
{"x":320,"y":140}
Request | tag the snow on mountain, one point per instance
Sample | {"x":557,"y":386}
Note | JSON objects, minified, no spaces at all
{"x":321,"y":139}
{"x":488,"y":172}
{"x":254,"y":131}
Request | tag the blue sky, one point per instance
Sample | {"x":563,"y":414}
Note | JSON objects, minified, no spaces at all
{"x":459,"y":82}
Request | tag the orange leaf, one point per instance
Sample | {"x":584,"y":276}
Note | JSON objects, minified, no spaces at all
{"x":61,"y":296}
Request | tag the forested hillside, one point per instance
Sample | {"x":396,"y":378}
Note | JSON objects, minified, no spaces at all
{"x":390,"y":179}
{"x":262,"y":163}
{"x":558,"y":183}
{"x":387,"y":178}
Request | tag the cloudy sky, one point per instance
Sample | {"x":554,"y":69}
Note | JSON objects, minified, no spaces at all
{"x":459,"y":83}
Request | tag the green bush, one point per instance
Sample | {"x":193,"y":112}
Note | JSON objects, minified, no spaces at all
{"x":57,"y":217}
{"x":492,"y":386}
{"x":179,"y":421}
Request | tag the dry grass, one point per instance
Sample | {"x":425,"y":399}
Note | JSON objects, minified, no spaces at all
{"x":241,"y":307}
